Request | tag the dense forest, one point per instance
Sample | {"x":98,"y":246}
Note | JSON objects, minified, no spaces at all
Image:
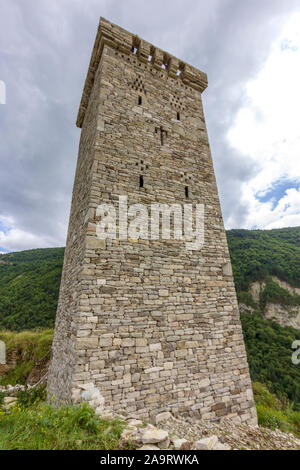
{"x":255,"y":254}
{"x":269,"y":355}
{"x":29,"y":286}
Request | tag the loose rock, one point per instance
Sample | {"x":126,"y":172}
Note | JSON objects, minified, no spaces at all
{"x":153,"y":436}
{"x":163,"y":417}
{"x":148,"y":447}
{"x":178,"y":443}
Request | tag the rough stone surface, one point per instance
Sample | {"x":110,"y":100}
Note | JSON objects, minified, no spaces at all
{"x":230,"y":435}
{"x":153,"y":436}
{"x":153,"y":325}
{"x":91,"y":395}
{"x":220,"y":446}
{"x":285,"y":315}
{"x":148,"y":447}
{"x":8,"y":400}
{"x":162,"y":417}
{"x":178,"y":443}
{"x":208,"y":443}
{"x":2,"y":353}
{"x":9,"y":390}
{"x":135,"y":422}
{"x":199,"y":435}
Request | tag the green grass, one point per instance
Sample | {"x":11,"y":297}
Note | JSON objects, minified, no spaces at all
{"x":34,"y":425}
{"x":31,"y":347}
{"x":272,"y":413}
{"x":40,"y":426}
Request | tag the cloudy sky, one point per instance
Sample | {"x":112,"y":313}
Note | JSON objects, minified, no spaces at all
{"x":250,"y":50}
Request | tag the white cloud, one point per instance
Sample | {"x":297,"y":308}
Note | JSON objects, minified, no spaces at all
{"x":15,"y":239}
{"x":285,"y":214}
{"x":266,"y":130}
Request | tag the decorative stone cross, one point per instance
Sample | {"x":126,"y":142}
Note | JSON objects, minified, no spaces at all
{"x":163,"y":133}
{"x":2,"y":353}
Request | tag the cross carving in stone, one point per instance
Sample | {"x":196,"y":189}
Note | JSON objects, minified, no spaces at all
{"x":163,"y":133}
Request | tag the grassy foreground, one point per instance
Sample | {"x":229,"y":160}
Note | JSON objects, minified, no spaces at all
{"x":38,"y":426}
{"x":30,"y":348}
{"x":272,"y":413}
{"x":32,"y":424}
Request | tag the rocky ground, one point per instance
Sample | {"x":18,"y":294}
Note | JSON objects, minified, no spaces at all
{"x":188,"y":434}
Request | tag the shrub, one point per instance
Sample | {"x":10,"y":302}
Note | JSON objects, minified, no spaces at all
{"x":271,"y":418}
{"x":272,"y":413}
{"x":247,"y":299}
{"x":2,"y":395}
{"x":31,"y":396}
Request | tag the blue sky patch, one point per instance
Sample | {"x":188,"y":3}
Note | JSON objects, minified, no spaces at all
{"x":287,"y":44}
{"x":4,"y":228}
{"x":277,"y":191}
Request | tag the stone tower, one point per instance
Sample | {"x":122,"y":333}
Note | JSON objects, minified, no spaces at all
{"x":150,"y":324}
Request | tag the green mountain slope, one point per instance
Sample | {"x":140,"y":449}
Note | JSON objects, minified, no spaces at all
{"x":269,"y":353}
{"x":255,"y":254}
{"x":29,"y":286}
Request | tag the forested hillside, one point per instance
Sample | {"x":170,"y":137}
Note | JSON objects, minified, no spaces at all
{"x":269,"y":355}
{"x":29,"y":285}
{"x":255,"y":254}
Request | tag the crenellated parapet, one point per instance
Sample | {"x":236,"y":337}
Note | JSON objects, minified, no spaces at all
{"x":121,"y":40}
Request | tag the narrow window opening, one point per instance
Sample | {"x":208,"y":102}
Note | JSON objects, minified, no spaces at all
{"x":134,"y":50}
{"x":178,"y":73}
{"x":141,"y":181}
{"x":178,"y":116}
{"x":140,"y":100}
{"x":163,"y":67}
{"x":186,"y":191}
{"x":149,"y":58}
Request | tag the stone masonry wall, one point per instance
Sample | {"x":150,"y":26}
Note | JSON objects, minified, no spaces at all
{"x":63,"y":362}
{"x":154,"y":326}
